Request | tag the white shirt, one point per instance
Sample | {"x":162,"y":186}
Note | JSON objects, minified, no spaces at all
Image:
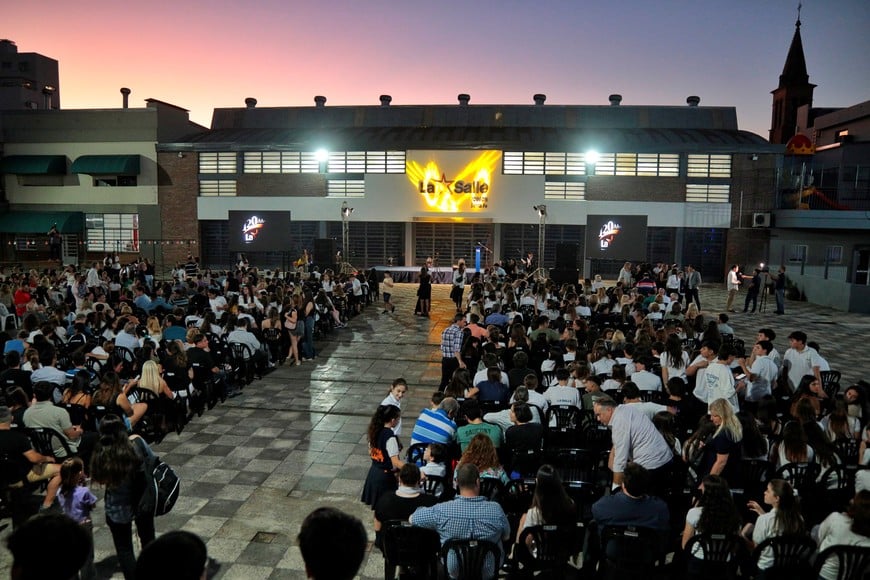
{"x":481,"y":376}
{"x":764,"y":370}
{"x":665,"y":360}
{"x":717,"y":383}
{"x":799,"y":363}
{"x":646,"y":381}
{"x":635,"y":438}
{"x":562,"y":395}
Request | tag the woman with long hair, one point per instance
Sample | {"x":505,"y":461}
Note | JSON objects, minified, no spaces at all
{"x":460,"y":383}
{"x":150,"y":381}
{"x":78,"y":390}
{"x":152,"y":326}
{"x":793,"y":448}
{"x":839,"y":425}
{"x":715,"y":513}
{"x":809,"y":388}
{"x":754,"y":444}
{"x":784,"y":519}
{"x":384,"y":448}
{"x":551,"y":505}
{"x":117,"y":464}
{"x":674,"y":359}
{"x":851,"y":528}
{"x":481,"y":453}
{"x":307,"y":313}
{"x":722,"y":454}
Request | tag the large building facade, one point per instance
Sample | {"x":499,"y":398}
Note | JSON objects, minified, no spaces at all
{"x":440,"y":181}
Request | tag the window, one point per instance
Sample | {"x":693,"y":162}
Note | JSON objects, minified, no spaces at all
{"x":217,"y":188}
{"x":355,"y":162}
{"x":217,"y":162}
{"x":112,"y":232}
{"x":834,"y":255}
{"x":27,"y":243}
{"x":115,"y":181}
{"x":565,"y":190}
{"x":346,"y":188}
{"x":606,"y":164}
{"x":709,"y":166}
{"x":797,"y":253}
{"x":706,"y":193}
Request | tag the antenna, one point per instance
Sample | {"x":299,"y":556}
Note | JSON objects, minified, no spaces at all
{"x":798,"y":23}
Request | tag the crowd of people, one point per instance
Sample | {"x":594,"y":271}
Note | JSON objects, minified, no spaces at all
{"x":108,"y":360}
{"x":534,"y":372}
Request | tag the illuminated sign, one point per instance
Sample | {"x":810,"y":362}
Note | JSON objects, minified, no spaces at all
{"x":252,"y":228}
{"x":470,"y":186}
{"x":607,"y":234}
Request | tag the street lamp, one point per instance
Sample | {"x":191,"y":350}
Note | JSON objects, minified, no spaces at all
{"x":344,"y":266}
{"x":542,"y":235}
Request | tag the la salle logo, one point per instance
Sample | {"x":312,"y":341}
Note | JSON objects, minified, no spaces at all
{"x":470,"y":186}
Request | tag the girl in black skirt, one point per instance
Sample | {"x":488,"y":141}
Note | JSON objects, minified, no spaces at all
{"x":384,"y":450}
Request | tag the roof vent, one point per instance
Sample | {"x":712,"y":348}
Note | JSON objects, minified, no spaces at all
{"x":386,"y":100}
{"x":319,"y":101}
{"x":693,"y":100}
{"x":125,"y":98}
{"x":463,"y":99}
{"x":615,"y":100}
{"x":539,"y":99}
{"x":250,"y":102}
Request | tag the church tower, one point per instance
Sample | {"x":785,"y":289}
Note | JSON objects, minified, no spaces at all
{"x":794,"y":90}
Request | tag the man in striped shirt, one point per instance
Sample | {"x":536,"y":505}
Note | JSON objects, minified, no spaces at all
{"x":436,"y":426}
{"x":451,"y":349}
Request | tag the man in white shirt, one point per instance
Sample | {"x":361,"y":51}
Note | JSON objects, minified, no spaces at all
{"x":824,"y":365}
{"x":645,"y":380}
{"x":631,"y":396}
{"x":489,"y":360}
{"x":718,"y":381}
{"x":217,"y":303}
{"x":561,"y":393}
{"x":699,"y":365}
{"x":760,"y":370}
{"x":800,"y":360}
{"x":769,"y":335}
{"x":241,"y":335}
{"x":732,"y":284}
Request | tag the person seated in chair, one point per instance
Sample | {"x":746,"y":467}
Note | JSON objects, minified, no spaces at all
{"x":400,"y":504}
{"x":43,"y":413}
{"x":466,"y":433}
{"x":632,"y":505}
{"x":241,"y":335}
{"x":28,"y":465}
{"x":468,"y":516}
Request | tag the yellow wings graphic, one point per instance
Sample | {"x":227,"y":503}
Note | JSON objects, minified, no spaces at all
{"x":450,"y":195}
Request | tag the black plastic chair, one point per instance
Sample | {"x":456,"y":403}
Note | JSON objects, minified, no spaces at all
{"x":801,"y":476}
{"x":515,"y":500}
{"x":562,"y":427}
{"x":474,"y":559}
{"x":792,"y":557}
{"x":847,"y":450}
{"x":243,"y":363}
{"x":491,"y":488}
{"x":830,"y":382}
{"x":721,"y":556}
{"x":547,"y":549}
{"x":436,"y":486}
{"x":852,"y":562}
{"x":272,"y":338}
{"x":46,"y":440}
{"x":632,"y":552}
{"x":414,"y":551}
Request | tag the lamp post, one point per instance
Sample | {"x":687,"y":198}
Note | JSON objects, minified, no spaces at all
{"x":345,"y":267}
{"x":541,"y":272}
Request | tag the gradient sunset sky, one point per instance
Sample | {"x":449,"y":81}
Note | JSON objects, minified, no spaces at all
{"x":202,"y":55}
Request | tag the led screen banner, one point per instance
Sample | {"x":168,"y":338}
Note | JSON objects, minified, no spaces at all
{"x":616,"y":237}
{"x":259,"y":231}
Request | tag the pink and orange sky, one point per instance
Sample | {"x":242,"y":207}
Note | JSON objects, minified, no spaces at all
{"x":202,"y":55}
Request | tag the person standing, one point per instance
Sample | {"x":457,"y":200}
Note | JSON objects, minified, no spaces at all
{"x":54,"y":243}
{"x":451,"y":349}
{"x":693,"y":284}
{"x":733,"y":284}
{"x":458,"y":286}
{"x":753,"y":290}
{"x":779,"y":288}
{"x":388,"y":293}
{"x":625,"y":276}
{"x":424,"y":293}
{"x":117,"y":464}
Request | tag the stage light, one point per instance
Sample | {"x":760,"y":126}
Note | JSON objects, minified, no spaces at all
{"x":592,"y":157}
{"x":541,"y":209}
{"x":321,"y":155}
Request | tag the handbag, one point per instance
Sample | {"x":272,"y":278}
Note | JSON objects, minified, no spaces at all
{"x":289,"y":325}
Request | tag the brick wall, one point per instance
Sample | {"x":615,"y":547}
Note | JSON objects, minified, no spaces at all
{"x":177,"y":190}
{"x":272,"y":185}
{"x":620,"y":188}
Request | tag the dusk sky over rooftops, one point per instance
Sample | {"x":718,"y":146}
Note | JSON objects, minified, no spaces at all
{"x":201,"y":55}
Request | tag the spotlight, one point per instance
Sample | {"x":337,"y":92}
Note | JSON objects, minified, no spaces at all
{"x":541,"y":209}
{"x":592,"y":157}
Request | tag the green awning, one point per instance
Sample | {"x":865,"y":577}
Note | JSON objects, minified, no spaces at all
{"x":39,"y":222}
{"x":33,"y":164}
{"x":106,"y":165}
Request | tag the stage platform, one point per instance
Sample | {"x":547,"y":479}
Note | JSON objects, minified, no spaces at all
{"x":411,"y":274}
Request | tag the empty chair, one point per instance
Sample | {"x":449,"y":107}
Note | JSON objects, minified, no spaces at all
{"x":713,"y":556}
{"x":414,"y":551}
{"x":830,"y":382}
{"x":801,"y":476}
{"x":632,"y":552}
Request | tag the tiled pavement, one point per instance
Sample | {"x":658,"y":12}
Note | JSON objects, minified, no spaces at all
{"x":253,"y":467}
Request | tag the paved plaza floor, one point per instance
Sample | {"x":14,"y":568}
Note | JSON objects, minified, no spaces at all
{"x":253,"y":467}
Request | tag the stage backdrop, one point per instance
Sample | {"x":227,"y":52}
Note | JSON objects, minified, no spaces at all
{"x":259,"y":231}
{"x":616,"y":237}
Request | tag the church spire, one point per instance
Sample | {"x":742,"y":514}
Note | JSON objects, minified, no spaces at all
{"x":795,"y":70}
{"x":794,"y":90}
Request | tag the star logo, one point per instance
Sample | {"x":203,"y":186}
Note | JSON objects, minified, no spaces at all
{"x":445,"y":183}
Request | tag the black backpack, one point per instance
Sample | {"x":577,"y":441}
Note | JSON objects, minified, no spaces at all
{"x":162,"y":486}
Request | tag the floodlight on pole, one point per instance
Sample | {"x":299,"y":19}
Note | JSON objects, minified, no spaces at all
{"x":344,"y":266}
{"x":541,"y":210}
